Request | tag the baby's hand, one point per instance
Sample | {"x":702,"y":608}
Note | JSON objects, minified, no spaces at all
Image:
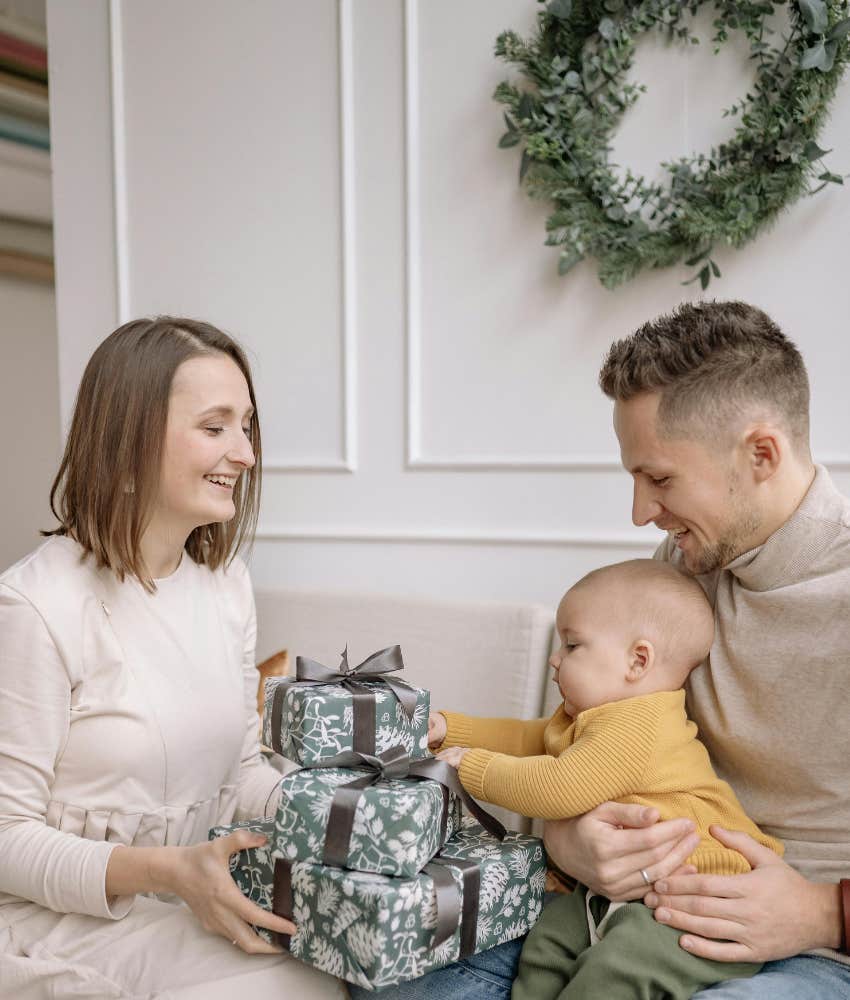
{"x":436,"y":729}
{"x":453,"y":755}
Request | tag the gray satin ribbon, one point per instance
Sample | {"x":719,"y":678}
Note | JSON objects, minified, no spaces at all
{"x":393,"y":763}
{"x":450,"y":909}
{"x":282,"y":897}
{"x":373,"y":668}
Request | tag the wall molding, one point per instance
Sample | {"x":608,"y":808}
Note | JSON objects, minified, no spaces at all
{"x":347,"y":463}
{"x":520,"y":463}
{"x":348,"y":278}
{"x":458,"y":536}
{"x":554,"y":463}
{"x":415,"y":458}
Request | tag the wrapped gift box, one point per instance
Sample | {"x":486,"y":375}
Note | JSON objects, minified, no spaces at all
{"x":315,"y":722}
{"x":253,"y":868}
{"x":376,"y":930}
{"x":398,"y":824}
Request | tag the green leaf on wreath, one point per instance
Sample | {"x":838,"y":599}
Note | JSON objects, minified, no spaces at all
{"x":703,"y":277}
{"x":509,"y":139}
{"x":831,"y":50}
{"x":839,"y":30}
{"x":815,"y":15}
{"x":607,"y":29}
{"x":560,"y":9}
{"x":525,"y":108}
{"x":567,"y":261}
{"x":693,"y":261}
{"x":812,"y":150}
{"x":814,"y":57}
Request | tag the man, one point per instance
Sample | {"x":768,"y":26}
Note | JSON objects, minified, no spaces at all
{"x":711,"y":409}
{"x":711,"y":412}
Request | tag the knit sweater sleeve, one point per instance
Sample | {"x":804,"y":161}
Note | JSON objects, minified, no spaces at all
{"x":606,"y":761}
{"x":517,"y":737}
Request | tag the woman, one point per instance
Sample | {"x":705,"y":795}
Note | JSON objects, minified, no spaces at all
{"x":128,"y":721}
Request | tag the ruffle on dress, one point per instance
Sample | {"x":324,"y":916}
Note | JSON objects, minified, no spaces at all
{"x":168,"y":826}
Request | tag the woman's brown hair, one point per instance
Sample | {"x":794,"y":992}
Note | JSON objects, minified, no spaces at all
{"x":107,"y":483}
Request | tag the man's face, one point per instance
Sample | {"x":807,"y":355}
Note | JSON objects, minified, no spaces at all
{"x":700,"y":494}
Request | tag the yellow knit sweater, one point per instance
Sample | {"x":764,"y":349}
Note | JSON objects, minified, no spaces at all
{"x":641,"y":750}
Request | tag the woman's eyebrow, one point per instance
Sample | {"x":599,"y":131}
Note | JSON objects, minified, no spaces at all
{"x":225,"y":411}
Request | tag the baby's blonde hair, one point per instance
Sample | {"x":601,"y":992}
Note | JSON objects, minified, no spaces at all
{"x":657,"y":601}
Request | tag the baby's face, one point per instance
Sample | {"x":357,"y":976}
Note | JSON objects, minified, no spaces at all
{"x":591,"y":665}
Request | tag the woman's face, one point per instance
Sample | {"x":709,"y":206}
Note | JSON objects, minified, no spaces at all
{"x":207,"y":445}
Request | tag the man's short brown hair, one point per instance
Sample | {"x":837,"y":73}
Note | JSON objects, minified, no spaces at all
{"x":711,"y":362}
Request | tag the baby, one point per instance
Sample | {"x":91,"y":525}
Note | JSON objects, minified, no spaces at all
{"x":630,"y":635}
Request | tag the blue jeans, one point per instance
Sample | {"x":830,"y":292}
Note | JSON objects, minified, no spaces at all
{"x":805,"y":977}
{"x":489,"y":976}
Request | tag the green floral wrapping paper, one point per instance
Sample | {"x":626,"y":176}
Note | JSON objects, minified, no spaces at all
{"x":397,"y":822}
{"x":253,"y":869}
{"x":375,"y":930}
{"x":318,"y":721}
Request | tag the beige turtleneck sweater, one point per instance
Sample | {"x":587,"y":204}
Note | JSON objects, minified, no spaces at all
{"x":771,"y":702}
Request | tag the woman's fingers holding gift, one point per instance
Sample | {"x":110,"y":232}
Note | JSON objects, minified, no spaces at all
{"x":200,"y":875}
{"x":436,"y":729}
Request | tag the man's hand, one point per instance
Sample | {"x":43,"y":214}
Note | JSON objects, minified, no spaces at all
{"x":606,"y":848}
{"x":436,"y":728}
{"x":767,"y":914}
{"x":453,"y":755}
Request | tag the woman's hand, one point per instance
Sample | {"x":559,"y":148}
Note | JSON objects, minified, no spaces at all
{"x":436,"y":729}
{"x":607,"y":848}
{"x":200,"y":875}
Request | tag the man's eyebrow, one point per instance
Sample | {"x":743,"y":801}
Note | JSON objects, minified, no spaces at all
{"x":225,"y":411}
{"x":648,"y":470}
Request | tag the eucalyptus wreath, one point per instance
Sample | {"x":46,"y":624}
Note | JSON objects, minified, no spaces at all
{"x":577,"y":90}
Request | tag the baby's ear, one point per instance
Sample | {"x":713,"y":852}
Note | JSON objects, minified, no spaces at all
{"x":641,"y":659}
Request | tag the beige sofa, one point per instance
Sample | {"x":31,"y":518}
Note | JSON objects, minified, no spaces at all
{"x":480,"y":658}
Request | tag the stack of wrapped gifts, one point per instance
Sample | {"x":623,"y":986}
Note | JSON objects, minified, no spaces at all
{"x":370,"y":853}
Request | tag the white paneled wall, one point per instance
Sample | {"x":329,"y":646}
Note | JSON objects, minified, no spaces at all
{"x":322,"y":180}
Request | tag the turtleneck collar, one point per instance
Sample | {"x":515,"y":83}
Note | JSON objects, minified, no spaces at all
{"x":791,"y":549}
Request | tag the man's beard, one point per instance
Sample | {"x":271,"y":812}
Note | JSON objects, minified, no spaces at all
{"x":742,"y":525}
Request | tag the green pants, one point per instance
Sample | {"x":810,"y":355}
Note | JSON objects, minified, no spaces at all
{"x":636,"y":959}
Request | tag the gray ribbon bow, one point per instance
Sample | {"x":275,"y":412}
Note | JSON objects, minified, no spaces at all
{"x":373,"y":668}
{"x":393,"y":763}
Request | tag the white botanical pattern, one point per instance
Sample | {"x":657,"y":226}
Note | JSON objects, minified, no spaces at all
{"x":374,"y":930}
{"x":396,"y":827}
{"x":318,"y":721}
{"x":327,"y":899}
